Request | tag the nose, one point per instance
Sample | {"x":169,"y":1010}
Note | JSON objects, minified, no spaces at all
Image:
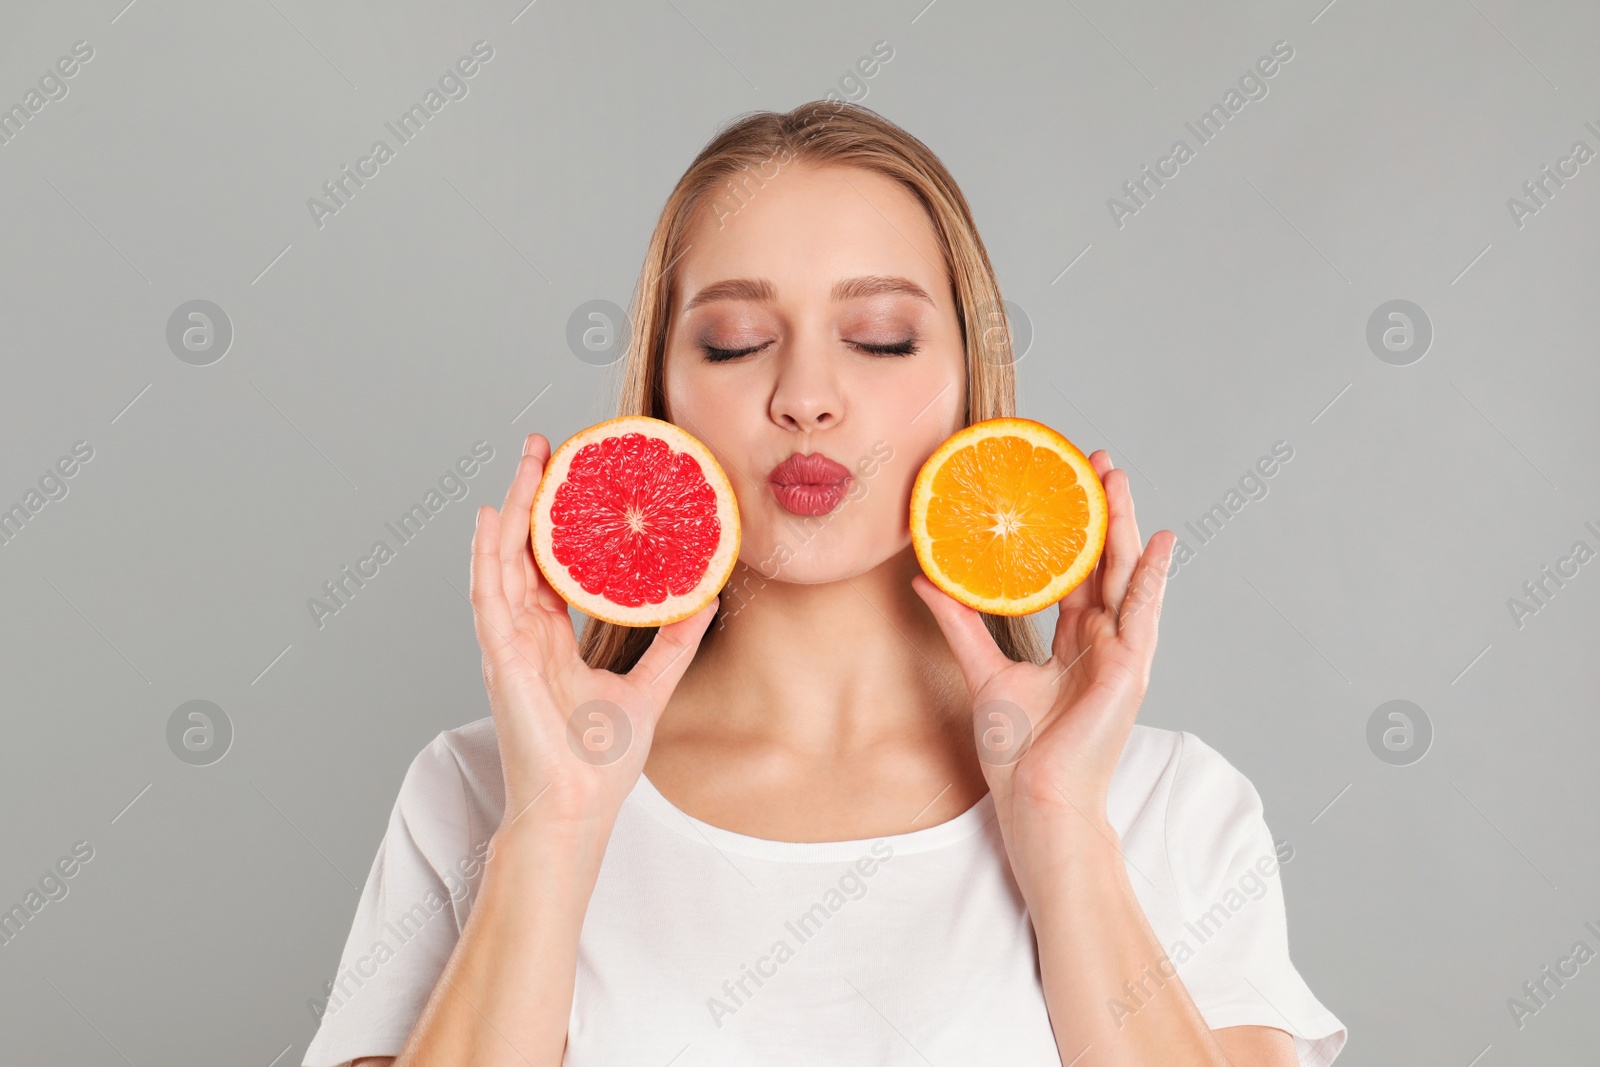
{"x":806,"y":396}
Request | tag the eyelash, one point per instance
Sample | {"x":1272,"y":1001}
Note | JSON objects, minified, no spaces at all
{"x":907,"y":347}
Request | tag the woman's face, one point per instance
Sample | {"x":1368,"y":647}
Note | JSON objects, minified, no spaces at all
{"x":817,"y":319}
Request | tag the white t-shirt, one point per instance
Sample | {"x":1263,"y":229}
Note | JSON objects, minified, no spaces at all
{"x":703,"y":947}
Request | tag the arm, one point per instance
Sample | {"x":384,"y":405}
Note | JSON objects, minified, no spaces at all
{"x":505,"y":994}
{"x":1107,"y":981}
{"x":1095,"y":944}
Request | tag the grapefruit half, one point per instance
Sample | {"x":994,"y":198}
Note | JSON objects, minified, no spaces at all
{"x":1008,"y":516}
{"x":634,"y":522}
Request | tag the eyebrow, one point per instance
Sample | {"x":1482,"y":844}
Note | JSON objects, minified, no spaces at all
{"x":762,"y":291}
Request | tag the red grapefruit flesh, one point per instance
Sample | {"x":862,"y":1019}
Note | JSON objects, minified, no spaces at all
{"x":635,"y":523}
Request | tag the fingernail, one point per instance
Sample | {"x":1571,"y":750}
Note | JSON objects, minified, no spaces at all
{"x":527,"y":446}
{"x":479,"y":520}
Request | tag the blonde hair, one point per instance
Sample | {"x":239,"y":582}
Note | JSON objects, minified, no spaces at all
{"x":739,"y":159}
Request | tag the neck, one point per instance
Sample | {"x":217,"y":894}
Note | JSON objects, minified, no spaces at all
{"x":823,"y":668}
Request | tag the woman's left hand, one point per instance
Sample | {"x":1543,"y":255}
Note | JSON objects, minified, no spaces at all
{"x":1050,"y":735}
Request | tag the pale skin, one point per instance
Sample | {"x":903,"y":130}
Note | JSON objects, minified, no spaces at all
{"x":835,"y":700}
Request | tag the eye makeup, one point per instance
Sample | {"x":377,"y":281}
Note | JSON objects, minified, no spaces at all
{"x":907,"y":347}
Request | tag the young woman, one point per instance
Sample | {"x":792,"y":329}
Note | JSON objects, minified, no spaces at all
{"x":795,"y":851}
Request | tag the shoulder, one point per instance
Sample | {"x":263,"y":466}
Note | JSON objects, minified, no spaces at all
{"x":1207,"y":874}
{"x":1174,"y":796}
{"x":453,"y":786}
{"x":1175,"y":770}
{"x":1143,"y":778}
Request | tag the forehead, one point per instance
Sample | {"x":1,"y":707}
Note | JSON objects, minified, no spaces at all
{"x":809,"y":228}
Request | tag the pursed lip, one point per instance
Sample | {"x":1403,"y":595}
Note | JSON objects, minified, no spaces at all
{"x":809,"y":469}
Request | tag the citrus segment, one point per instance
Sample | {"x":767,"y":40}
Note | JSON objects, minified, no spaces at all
{"x":634,"y":522}
{"x":1008,"y":516}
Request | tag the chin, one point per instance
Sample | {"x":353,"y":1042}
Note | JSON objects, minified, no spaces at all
{"x":820,"y":560}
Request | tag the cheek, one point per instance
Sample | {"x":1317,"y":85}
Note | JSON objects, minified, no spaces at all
{"x":727,"y":419}
{"x":926,"y":420}
{"x":912,"y":416}
{"x":893,"y":486}
{"x":675,"y":386}
{"x":710,"y":406}
{"x":880,"y":490}
{"x":922,"y":401}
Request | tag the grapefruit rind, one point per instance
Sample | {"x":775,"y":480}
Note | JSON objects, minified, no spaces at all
{"x":1039,"y":435}
{"x":674,"y":607}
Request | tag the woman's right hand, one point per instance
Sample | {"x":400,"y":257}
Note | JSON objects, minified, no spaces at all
{"x":573,"y":739}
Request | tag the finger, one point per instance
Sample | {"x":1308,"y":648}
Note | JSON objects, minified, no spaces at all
{"x":491,"y":615}
{"x":670,"y":653}
{"x":976,"y":653}
{"x":1086,"y":594}
{"x":1064,"y":641}
{"x":1139,"y":620}
{"x":539,"y":594}
{"x":514,"y":519}
{"x":1122,"y":541}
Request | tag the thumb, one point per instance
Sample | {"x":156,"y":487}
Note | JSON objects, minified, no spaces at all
{"x":670,"y":653}
{"x":978,"y":656}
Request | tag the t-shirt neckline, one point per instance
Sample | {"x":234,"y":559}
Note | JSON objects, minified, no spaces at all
{"x":939,"y":835}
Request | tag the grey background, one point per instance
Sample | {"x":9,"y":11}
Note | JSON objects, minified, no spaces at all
{"x":369,"y":355}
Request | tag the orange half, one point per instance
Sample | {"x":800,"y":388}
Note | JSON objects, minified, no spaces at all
{"x":1008,"y":516}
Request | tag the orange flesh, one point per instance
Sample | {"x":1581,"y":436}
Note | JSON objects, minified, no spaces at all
{"x":1006,"y":517}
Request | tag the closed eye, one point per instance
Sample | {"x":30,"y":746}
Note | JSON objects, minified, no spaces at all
{"x":718,"y":355}
{"x":898,"y":348}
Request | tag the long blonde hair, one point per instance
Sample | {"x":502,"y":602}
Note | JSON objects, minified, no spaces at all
{"x":739,"y":159}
